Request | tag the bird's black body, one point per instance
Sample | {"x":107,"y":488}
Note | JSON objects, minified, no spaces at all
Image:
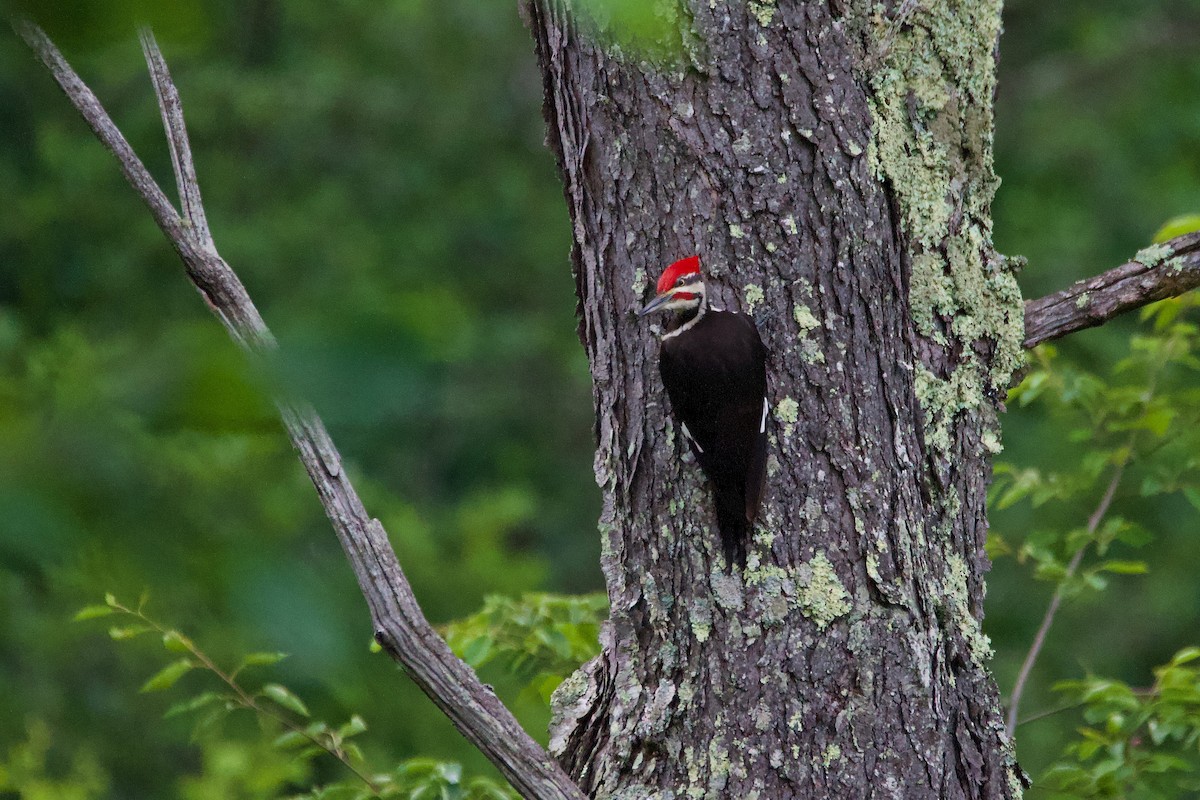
{"x":713,"y":366}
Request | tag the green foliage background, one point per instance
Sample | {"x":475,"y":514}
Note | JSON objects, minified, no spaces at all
{"x":1098,"y":145}
{"x":376,"y":173}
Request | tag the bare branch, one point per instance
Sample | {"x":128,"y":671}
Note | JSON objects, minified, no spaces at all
{"x":400,"y":627}
{"x":177,"y":139}
{"x":1158,"y":272}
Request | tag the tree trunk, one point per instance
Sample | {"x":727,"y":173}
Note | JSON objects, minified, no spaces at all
{"x":831,"y":162}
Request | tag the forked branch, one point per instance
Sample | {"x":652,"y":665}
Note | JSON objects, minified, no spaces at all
{"x":399,"y":625}
{"x":1156,"y":273}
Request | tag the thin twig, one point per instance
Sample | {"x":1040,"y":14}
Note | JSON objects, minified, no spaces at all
{"x":244,"y":698}
{"x":1052,"y":712}
{"x":171,"y":108}
{"x":251,"y":702}
{"x":1138,"y":691}
{"x":1093,"y":525}
{"x":399,"y":625}
{"x":1039,"y":640}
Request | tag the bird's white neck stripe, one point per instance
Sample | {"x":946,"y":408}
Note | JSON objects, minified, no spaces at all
{"x":699,"y":313}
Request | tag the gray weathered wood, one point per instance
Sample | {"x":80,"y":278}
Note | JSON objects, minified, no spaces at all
{"x":399,"y":625}
{"x":1158,"y":272}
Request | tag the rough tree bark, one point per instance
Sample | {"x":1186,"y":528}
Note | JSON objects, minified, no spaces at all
{"x":832,"y":164}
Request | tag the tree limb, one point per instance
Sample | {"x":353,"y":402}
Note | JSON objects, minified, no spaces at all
{"x":1155,"y":273}
{"x":400,"y":627}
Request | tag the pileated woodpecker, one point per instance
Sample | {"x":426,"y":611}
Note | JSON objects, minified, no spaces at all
{"x":713,"y":366}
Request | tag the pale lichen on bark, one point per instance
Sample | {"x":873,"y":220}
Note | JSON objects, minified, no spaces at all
{"x":822,"y":595}
{"x":1154,"y":255}
{"x":932,"y":102}
{"x":932,"y":74}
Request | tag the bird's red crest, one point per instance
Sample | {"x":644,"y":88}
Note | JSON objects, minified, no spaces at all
{"x":671,"y":274}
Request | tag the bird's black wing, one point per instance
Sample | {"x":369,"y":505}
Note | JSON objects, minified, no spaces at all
{"x":753,"y":446}
{"x":715,"y":376}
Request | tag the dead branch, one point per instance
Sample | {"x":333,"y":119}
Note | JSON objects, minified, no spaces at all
{"x":1158,"y":272}
{"x":399,"y":625}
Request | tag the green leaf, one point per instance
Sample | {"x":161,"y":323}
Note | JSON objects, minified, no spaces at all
{"x":118,"y":634}
{"x":176,"y":642}
{"x":1193,"y":496}
{"x":1125,"y":567}
{"x":1185,"y":655}
{"x":261,"y":660}
{"x":92,"y":612}
{"x":192,"y":704}
{"x":166,"y":677}
{"x":317,"y":729}
{"x":290,"y":739}
{"x":1050,"y":570}
{"x":208,"y":722}
{"x":1177,"y":226}
{"x":997,"y":546}
{"x":284,"y":697}
{"x":1157,"y":420}
{"x":309,"y":753}
{"x":355,"y":726}
{"x":1030,"y":387}
{"x":544,"y":685}
{"x":477,"y":651}
{"x":111,"y":600}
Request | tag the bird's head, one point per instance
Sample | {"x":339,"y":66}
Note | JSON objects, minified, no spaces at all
{"x":680,"y":288}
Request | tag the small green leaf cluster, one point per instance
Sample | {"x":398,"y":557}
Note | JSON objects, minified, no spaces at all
{"x":1137,"y":742}
{"x":1177,"y":226}
{"x":418,"y":779}
{"x":539,"y":638}
{"x":1136,"y":425}
{"x":1132,"y":430}
{"x":285,"y":722}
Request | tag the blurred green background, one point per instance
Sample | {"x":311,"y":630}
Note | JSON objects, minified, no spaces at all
{"x":376,"y":174}
{"x":1097,"y":146}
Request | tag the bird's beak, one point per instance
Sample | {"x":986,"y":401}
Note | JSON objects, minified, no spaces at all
{"x":656,"y":303}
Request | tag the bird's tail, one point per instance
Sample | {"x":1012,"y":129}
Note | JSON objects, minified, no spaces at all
{"x":734,"y":526}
